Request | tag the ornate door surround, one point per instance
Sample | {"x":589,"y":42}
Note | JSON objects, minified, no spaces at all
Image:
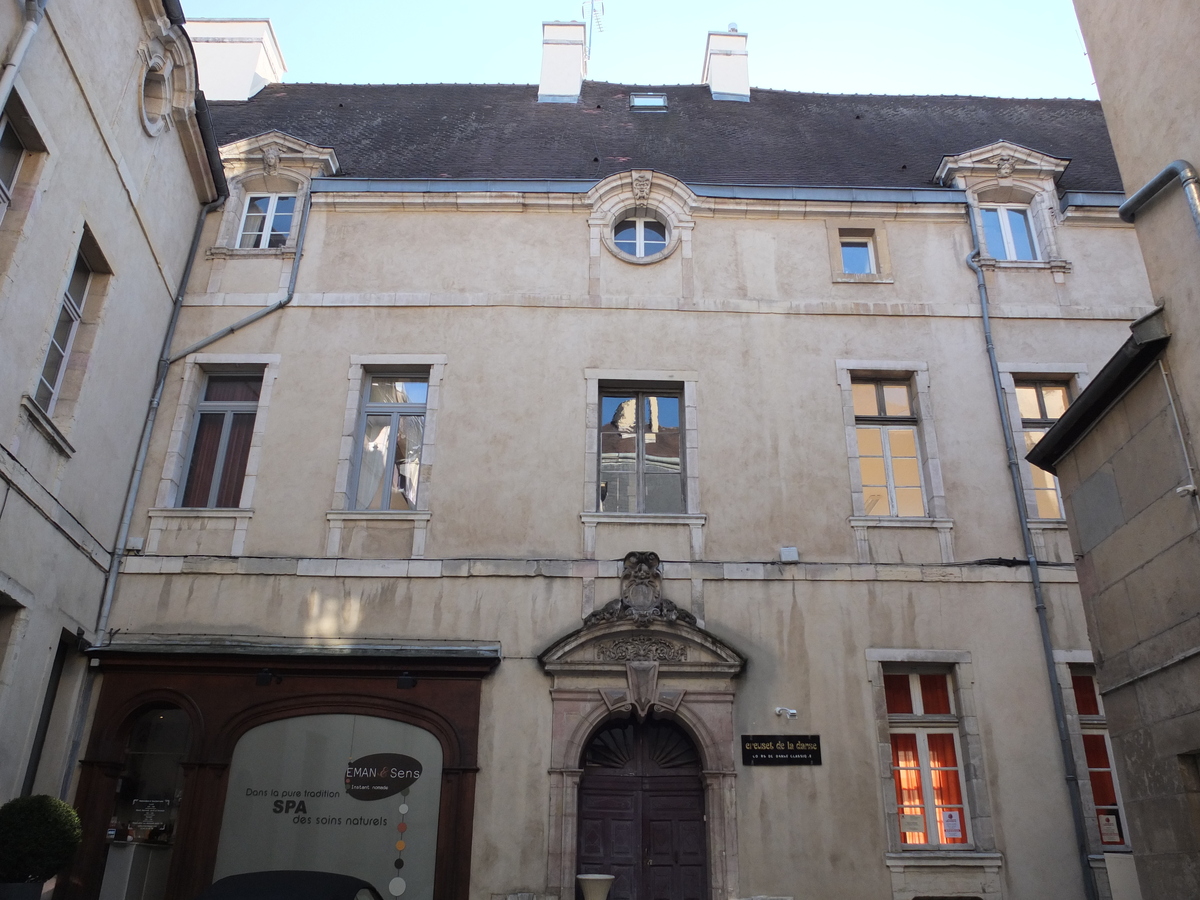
{"x":641,"y":653}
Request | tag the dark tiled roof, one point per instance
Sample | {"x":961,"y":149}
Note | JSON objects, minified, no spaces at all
{"x":779,"y":137}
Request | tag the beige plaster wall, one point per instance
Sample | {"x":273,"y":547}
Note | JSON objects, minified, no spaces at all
{"x":80,"y":84}
{"x":505,"y":297}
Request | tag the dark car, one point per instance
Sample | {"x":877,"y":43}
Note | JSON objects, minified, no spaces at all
{"x":290,"y":885}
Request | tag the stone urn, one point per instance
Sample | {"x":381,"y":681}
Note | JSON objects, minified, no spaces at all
{"x":595,"y":887}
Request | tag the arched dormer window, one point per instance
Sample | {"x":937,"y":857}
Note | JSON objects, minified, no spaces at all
{"x":269,"y":178}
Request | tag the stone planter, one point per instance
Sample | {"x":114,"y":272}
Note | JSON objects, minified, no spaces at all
{"x":595,"y":887}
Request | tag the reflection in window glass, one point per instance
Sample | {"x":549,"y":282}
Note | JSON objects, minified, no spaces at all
{"x":392,"y":432}
{"x":1041,"y":404}
{"x":1007,"y":234}
{"x":151,"y":785}
{"x":640,"y":237}
{"x":889,"y":465}
{"x":641,"y":458}
{"x":856,"y":258}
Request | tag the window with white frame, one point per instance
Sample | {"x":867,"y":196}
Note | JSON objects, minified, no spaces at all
{"x":858,"y":251}
{"x":221,"y":437}
{"x":640,"y":237}
{"x":391,"y":432}
{"x":923,"y":727}
{"x":1042,"y":403}
{"x":266,"y":221}
{"x":886,"y":427}
{"x":641,"y":459}
{"x":1008,"y":232}
{"x":1097,"y":750}
{"x":70,"y":312}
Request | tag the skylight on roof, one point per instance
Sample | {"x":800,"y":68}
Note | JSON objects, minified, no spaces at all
{"x":648,"y":102}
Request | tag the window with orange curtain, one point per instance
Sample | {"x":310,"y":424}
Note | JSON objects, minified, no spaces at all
{"x":930,"y":808}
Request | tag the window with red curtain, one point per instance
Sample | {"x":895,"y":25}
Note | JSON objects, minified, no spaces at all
{"x":221,"y":446}
{"x":925,"y":760}
{"x":1106,"y":795}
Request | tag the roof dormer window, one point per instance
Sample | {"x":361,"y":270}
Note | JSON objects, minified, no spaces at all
{"x":648,"y":102}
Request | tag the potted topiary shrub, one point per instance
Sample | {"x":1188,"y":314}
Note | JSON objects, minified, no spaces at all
{"x":38,"y":837}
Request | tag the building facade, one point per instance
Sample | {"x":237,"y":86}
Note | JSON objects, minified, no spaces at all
{"x":615,"y":479}
{"x":1127,"y":459}
{"x":104,"y":172}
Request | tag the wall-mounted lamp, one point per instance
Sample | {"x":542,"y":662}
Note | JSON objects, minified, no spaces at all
{"x":406,"y":681}
{"x":784,"y":711}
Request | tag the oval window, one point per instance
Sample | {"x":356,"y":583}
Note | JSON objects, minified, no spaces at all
{"x":640,"y":238}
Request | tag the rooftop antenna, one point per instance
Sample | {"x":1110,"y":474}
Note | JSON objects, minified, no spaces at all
{"x":593,"y":13}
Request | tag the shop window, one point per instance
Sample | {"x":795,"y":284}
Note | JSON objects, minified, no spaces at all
{"x":923,"y":728}
{"x":391,"y":433}
{"x":1097,"y":751}
{"x":641,"y":459}
{"x":222,"y":434}
{"x":151,"y":784}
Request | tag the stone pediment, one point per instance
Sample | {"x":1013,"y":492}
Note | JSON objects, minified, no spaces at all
{"x":1002,"y":159}
{"x":606,"y":647}
{"x":641,"y":627}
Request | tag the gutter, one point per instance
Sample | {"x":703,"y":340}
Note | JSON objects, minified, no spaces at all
{"x":34,"y":11}
{"x":1119,"y":375}
{"x":1070,"y":771}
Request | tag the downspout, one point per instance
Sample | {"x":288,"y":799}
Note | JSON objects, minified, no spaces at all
{"x":164,"y":362}
{"x":34,"y":10}
{"x":265,"y":311}
{"x":1188,"y":180}
{"x":1039,"y":604}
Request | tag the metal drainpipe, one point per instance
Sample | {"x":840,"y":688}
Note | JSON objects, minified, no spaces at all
{"x":1188,"y":180}
{"x":262,"y":313}
{"x":164,"y":363}
{"x":34,"y":10}
{"x":1039,"y":605}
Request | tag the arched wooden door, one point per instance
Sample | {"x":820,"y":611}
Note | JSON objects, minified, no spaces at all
{"x":641,"y":812}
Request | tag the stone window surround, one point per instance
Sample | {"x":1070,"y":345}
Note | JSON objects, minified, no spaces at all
{"x":915,"y":872}
{"x":1064,"y":662}
{"x":931,"y":470}
{"x":1074,"y":374}
{"x":341,"y":513}
{"x":1007,"y":173}
{"x":269,"y":163}
{"x":170,"y":488}
{"x":591,"y":516}
{"x":874,"y":230}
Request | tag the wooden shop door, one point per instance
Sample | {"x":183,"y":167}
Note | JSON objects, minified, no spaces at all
{"x":641,"y":812}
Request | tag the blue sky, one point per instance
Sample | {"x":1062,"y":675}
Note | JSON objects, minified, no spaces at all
{"x":1005,"y":48}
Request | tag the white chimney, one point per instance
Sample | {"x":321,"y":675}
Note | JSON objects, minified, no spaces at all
{"x":235,"y":58}
{"x":563,"y":63}
{"x":726,"y":67}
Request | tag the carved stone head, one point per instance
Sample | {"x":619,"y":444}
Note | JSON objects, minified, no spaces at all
{"x":641,"y":579}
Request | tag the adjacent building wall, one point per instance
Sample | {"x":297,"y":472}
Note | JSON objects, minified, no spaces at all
{"x":106,"y":172}
{"x":1137,"y":535}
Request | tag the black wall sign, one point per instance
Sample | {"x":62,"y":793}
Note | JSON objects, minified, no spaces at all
{"x":781,"y":750}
